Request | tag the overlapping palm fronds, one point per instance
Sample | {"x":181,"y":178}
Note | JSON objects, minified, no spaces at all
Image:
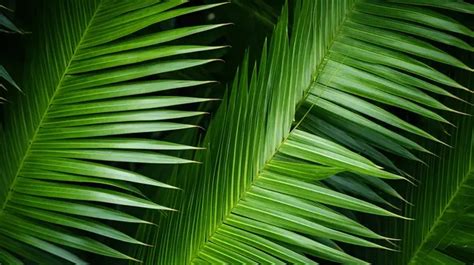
{"x":301,"y":142}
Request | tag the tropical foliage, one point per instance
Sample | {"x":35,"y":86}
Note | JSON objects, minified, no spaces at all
{"x":7,"y":26}
{"x":304,"y":154}
{"x":442,"y":232}
{"x":78,"y":104}
{"x":313,"y":105}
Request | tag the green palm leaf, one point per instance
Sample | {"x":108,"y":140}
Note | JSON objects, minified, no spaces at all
{"x":6,"y":26}
{"x":6,"y":76}
{"x":314,"y":105}
{"x":442,"y":232}
{"x":61,"y":141}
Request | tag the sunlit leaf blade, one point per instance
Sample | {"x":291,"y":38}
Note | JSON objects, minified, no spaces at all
{"x":78,"y":223}
{"x":42,"y":245}
{"x":75,"y":208}
{"x":460,"y":6}
{"x":22,"y":226}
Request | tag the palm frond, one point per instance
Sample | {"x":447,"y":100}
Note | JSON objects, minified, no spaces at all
{"x":61,"y":141}
{"x":7,"y":26}
{"x":442,"y":232}
{"x":316,"y":104}
{"x":6,"y":76}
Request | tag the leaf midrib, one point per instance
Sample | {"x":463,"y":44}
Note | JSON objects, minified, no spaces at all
{"x":434,"y":225}
{"x":51,"y":100}
{"x":314,"y":80}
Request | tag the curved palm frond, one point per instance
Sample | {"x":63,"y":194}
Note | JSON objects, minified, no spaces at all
{"x":315,"y":106}
{"x":61,"y":144}
{"x":442,"y":232}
